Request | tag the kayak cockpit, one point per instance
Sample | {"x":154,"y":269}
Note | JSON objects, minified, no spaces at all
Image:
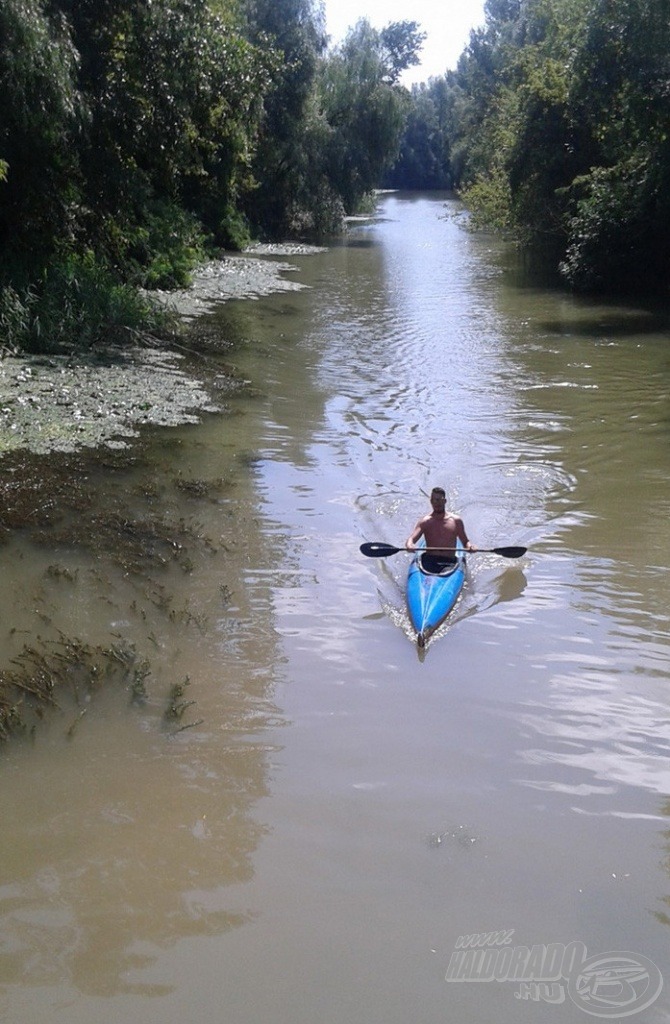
{"x":427,"y":565}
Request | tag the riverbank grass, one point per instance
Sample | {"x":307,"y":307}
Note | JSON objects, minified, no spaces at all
{"x":78,"y":305}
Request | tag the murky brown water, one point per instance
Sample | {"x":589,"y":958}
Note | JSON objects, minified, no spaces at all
{"x":339,"y":812}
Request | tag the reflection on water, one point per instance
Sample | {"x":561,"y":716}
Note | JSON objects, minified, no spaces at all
{"x":345,"y":810}
{"x":107,"y":874}
{"x":122,"y":837}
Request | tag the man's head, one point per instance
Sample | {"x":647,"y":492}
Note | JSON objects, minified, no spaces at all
{"x":438,"y":498}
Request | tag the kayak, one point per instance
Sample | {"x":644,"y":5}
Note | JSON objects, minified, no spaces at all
{"x":431,"y":596}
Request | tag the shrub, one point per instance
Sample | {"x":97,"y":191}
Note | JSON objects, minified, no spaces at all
{"x":618,"y":237}
{"x":78,"y":304}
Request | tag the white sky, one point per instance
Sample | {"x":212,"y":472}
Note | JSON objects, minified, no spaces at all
{"x":447,"y":23}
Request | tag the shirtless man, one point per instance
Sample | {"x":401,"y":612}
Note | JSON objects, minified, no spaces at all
{"x":440,"y":530}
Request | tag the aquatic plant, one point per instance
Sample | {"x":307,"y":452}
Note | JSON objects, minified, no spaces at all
{"x":177,"y":706}
{"x":55,"y":673}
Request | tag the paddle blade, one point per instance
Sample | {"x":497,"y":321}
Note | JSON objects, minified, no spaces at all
{"x":378,"y":550}
{"x":510,"y":552}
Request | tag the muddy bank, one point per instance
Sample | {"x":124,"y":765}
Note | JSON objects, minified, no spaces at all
{"x":52,"y":404}
{"x":237,"y":277}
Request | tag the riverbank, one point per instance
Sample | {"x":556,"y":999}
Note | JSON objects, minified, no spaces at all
{"x":70,"y":492}
{"x":58,"y":404}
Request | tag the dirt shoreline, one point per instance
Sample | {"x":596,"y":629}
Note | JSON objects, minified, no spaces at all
{"x":56,"y":404}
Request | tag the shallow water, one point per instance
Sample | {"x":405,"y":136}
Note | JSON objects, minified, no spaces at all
{"x":339,"y":810}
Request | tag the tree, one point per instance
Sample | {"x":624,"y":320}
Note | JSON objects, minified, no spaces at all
{"x":562,"y":129}
{"x":401,"y":42}
{"x":364,"y":107}
{"x":39,"y":118}
{"x":173,"y":98}
{"x":620,"y":204}
{"x":283,"y":161}
{"x":424,"y":158}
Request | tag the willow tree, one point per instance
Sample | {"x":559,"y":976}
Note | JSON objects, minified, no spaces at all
{"x":365,"y":106}
{"x":39,"y":115}
{"x":283,"y":163}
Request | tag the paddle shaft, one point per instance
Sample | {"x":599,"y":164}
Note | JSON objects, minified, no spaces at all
{"x":413,"y":551}
{"x":377,"y":549}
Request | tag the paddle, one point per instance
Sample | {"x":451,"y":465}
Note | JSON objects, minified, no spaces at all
{"x":376,"y":549}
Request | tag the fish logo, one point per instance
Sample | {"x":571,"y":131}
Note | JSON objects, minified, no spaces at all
{"x":615,"y":984}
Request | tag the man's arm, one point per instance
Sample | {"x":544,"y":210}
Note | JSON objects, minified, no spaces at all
{"x":414,"y":536}
{"x":462,"y":535}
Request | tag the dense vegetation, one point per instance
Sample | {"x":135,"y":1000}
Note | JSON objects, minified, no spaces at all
{"x":138,"y":135}
{"x":556,"y":126}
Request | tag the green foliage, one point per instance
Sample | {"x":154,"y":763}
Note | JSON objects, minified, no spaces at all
{"x":15,"y":317}
{"x":618,"y":237}
{"x":176,"y":107}
{"x":127,"y":129}
{"x":285,"y":165}
{"x":38,"y":114}
{"x":158,"y":250}
{"x":78,"y":304}
{"x":331,"y":123}
{"x":488,"y":198}
{"x":424,"y":161}
{"x":401,"y":42}
{"x":137,"y":136}
{"x":365,"y":111}
{"x":561,"y":129}
{"x":233,"y":228}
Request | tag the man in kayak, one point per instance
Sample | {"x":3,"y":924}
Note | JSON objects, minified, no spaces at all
{"x":440,"y":529}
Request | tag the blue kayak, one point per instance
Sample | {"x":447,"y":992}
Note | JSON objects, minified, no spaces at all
{"x":431,"y":596}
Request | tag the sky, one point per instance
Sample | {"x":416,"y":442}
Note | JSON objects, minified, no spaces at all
{"x":446,"y":22}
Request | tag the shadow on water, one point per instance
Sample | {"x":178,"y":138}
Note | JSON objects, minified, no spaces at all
{"x":357,"y":242}
{"x":599,"y":323}
{"x":526,"y":271}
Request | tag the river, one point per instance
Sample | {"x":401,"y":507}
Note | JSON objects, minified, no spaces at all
{"x":315,"y":836}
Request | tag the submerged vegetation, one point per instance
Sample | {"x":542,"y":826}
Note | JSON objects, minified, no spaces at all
{"x":137,"y":543}
{"x":61,"y":675}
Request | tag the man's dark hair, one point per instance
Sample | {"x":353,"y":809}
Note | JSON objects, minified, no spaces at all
{"x":440,"y":491}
